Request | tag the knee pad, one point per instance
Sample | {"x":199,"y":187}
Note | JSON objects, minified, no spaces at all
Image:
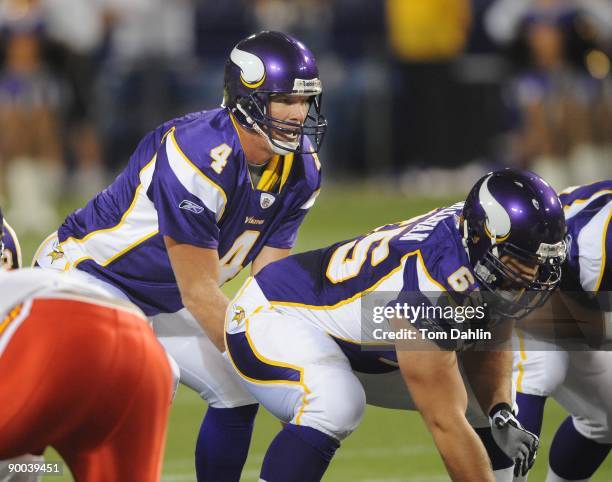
{"x":540,"y":372}
{"x":338,"y":410}
{"x":595,"y":429}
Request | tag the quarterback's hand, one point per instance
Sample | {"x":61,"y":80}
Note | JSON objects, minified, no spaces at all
{"x":516,"y":442}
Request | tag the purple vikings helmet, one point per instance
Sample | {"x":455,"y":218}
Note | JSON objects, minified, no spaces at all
{"x":513,"y":217}
{"x":269,"y":63}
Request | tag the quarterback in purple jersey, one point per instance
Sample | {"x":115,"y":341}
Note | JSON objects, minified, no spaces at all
{"x":297,"y":334}
{"x":203,"y":196}
{"x":10,"y":251}
{"x":579,"y":379}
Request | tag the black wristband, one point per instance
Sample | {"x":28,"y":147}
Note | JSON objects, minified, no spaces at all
{"x":500,"y":406}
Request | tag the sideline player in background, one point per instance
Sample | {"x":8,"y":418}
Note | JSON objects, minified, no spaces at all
{"x":83,"y":373}
{"x":295,"y":334}
{"x":10,"y":250}
{"x":203,"y":196}
{"x":581,"y":381}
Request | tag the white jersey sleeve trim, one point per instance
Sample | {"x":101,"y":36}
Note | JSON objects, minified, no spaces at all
{"x":426,"y":282}
{"x":310,"y":203}
{"x":579,"y":204}
{"x":591,"y":249}
{"x":138,"y":223}
{"x":194,"y":180}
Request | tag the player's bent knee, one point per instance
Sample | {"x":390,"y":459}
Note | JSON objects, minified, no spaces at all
{"x":597,"y":430}
{"x":544,"y":372}
{"x":337,"y":412}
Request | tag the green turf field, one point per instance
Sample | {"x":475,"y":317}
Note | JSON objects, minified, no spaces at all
{"x":389,"y":446}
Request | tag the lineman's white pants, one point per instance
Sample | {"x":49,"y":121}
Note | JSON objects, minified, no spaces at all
{"x":581,"y":381}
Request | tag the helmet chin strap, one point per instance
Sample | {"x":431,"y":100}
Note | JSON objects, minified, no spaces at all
{"x":281,"y":148}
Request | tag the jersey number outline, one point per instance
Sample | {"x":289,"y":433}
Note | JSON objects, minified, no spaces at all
{"x":461,"y":279}
{"x":231,"y":263}
{"x":219,"y":156}
{"x":341,"y":267}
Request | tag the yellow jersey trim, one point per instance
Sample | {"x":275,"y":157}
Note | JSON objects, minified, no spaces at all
{"x":114,"y":228}
{"x":200,"y":173}
{"x":10,"y":317}
{"x":519,"y":365}
{"x":271,"y":174}
{"x":583,"y":200}
{"x":602,"y":269}
{"x":267,"y":361}
{"x":367,"y":290}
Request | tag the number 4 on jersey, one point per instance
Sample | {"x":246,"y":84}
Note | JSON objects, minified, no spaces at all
{"x":219,"y":156}
{"x":231,"y":263}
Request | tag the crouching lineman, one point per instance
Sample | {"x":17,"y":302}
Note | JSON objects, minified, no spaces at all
{"x":201,"y":198}
{"x":82,"y":373}
{"x":581,"y":381}
{"x":295,"y":336}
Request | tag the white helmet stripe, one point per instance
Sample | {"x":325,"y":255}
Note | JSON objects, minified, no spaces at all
{"x":252,"y":68}
{"x":498,"y":220}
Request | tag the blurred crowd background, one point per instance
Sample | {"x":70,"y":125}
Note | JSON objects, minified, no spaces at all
{"x":420,"y":95}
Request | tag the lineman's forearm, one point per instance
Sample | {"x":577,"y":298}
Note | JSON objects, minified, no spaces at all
{"x":463,"y":453}
{"x":490,"y":376}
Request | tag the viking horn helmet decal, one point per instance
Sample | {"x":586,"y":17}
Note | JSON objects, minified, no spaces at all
{"x":498,"y":220}
{"x":252,"y":70}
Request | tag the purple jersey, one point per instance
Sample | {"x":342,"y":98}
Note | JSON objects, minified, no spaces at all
{"x":419,"y":258}
{"x":189,"y":180}
{"x":588,"y":212}
{"x":10,"y":257}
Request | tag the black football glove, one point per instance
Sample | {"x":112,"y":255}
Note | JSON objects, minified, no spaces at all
{"x":516,"y":442}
